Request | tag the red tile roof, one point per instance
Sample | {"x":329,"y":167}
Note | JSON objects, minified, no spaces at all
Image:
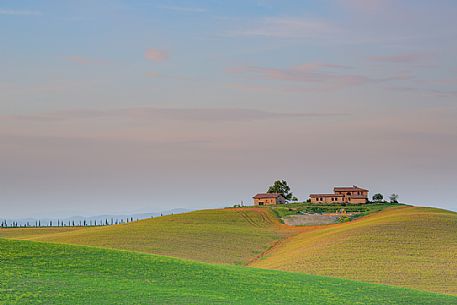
{"x":267,"y":195}
{"x":325,"y":195}
{"x":349,"y":189}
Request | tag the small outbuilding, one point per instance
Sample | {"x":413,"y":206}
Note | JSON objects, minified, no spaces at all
{"x":269,"y":199}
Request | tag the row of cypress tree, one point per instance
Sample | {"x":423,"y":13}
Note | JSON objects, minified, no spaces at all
{"x":68,"y":223}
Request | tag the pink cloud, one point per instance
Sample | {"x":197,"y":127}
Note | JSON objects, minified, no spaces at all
{"x":323,"y":76}
{"x":308,"y":73}
{"x":156,"y":55}
{"x":318,"y":66}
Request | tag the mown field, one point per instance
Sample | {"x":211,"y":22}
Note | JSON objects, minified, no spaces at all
{"x":233,"y":236}
{"x":41,"y":273}
{"x":405,"y":246}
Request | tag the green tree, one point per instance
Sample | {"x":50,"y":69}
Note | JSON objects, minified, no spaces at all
{"x":393,"y":198}
{"x":378,"y":197}
{"x":281,"y":187}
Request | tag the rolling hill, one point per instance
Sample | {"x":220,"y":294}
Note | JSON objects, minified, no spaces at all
{"x":41,"y":273}
{"x":234,"y":236}
{"x":407,"y":246}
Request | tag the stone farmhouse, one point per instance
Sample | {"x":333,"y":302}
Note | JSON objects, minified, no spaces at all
{"x":351,"y":195}
{"x":269,"y":199}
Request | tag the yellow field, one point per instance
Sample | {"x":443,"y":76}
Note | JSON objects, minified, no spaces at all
{"x":407,"y":246}
{"x":233,"y":236}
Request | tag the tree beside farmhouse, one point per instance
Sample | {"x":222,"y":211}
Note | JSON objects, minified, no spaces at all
{"x":281,"y":187}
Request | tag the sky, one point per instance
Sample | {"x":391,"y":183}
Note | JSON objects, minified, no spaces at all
{"x":122,"y":106}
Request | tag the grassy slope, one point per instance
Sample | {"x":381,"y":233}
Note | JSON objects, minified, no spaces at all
{"x":233,"y":236}
{"x":41,"y":273}
{"x":407,"y":246}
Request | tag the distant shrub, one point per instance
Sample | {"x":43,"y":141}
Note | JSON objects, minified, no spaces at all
{"x":343,"y":219}
{"x":378,"y":197}
{"x":393,"y":198}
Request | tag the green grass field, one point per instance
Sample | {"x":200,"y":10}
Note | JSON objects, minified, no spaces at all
{"x":41,"y":273}
{"x":405,"y":246}
{"x":234,"y":236}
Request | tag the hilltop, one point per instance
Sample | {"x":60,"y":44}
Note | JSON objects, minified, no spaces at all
{"x":44,"y":273}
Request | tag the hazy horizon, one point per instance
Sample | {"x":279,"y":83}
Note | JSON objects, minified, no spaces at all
{"x":141,"y":106}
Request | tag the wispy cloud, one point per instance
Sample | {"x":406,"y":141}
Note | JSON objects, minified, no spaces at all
{"x":309,"y":73}
{"x":328,"y":76}
{"x":183,"y":8}
{"x":400,"y":58}
{"x":307,"y":68}
{"x":287,"y":27}
{"x":12,"y":12}
{"x":427,"y":91}
{"x":153,"y":114}
{"x":156,"y":55}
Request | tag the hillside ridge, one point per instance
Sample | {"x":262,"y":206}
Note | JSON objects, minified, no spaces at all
{"x":412,"y":247}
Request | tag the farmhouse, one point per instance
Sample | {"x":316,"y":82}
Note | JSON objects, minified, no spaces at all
{"x":268,"y":199}
{"x":351,"y":194}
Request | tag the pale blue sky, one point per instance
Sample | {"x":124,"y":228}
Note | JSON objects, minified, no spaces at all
{"x":128,"y":106}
